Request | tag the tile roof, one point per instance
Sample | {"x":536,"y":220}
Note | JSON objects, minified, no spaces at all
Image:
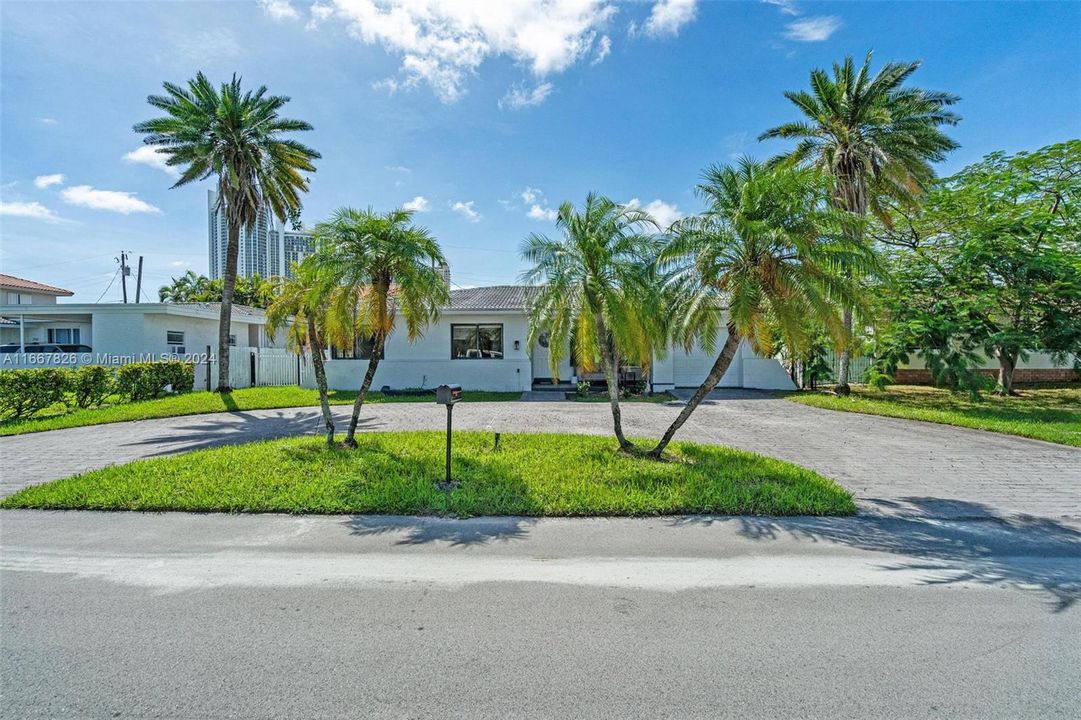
{"x":17,"y":283}
{"x":495,"y":297}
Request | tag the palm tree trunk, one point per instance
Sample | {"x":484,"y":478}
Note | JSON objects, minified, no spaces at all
{"x":316,"y":346}
{"x":373,"y":365}
{"x":720,"y":367}
{"x":854,"y":201}
{"x":225,"y":318}
{"x":611,"y":377}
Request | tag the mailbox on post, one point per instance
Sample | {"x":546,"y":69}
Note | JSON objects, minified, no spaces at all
{"x":448,"y":395}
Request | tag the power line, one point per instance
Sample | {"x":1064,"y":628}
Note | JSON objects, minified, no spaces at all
{"x":110,"y":285}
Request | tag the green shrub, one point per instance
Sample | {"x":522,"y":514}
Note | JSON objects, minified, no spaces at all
{"x":90,"y":385}
{"x":582,"y":388}
{"x":25,"y":392}
{"x":148,"y":380}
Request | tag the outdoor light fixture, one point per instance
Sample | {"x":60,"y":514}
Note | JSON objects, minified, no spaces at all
{"x":517,"y":344}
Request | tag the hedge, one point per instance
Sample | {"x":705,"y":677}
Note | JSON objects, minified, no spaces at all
{"x":25,"y":392}
{"x":148,"y":380}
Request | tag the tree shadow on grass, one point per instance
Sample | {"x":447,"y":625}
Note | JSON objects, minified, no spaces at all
{"x":457,"y":532}
{"x":1027,"y":553}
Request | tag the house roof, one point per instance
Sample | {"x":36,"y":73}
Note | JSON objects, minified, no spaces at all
{"x":10,"y":282}
{"x":494,"y":297}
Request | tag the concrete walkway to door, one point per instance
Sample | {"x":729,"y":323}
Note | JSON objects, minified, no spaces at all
{"x":892,"y":466}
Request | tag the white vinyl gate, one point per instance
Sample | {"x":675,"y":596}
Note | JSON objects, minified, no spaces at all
{"x":258,"y":367}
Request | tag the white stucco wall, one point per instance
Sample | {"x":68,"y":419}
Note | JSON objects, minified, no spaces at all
{"x":427,"y":361}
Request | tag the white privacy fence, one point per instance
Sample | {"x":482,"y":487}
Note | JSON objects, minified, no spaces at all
{"x":257,"y":367}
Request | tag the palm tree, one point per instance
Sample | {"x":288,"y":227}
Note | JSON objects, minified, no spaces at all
{"x":768,"y":255}
{"x":182,"y":288}
{"x":300,"y":303}
{"x":237,"y":137}
{"x":383,"y":265}
{"x":876,"y":138}
{"x":594,"y":290}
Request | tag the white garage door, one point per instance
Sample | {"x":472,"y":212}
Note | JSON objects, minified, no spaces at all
{"x":690,"y":369}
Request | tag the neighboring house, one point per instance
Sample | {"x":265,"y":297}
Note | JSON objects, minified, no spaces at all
{"x":17,"y":291}
{"x":479,"y":343}
{"x":30,"y":316}
{"x":1039,"y":367}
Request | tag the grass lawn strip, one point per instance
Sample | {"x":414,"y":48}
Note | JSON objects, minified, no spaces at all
{"x":197,"y":403}
{"x":1049,"y":412}
{"x":395,"y":473}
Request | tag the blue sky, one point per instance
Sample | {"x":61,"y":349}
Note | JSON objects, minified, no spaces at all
{"x":492,"y":114}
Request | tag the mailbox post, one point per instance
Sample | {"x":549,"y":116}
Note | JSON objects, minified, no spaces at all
{"x":448,"y":395}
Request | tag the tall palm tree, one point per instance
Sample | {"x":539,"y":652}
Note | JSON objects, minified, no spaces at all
{"x":875,"y":136}
{"x":594,"y":288}
{"x":767,"y":255}
{"x":301,"y":303}
{"x":383,"y":265}
{"x":236,"y":136}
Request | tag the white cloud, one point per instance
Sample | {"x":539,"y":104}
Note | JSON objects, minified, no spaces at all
{"x":443,"y":42}
{"x":814,"y":29}
{"x":530,"y":194}
{"x":398,"y":168}
{"x":788,"y":7}
{"x":280,"y":9}
{"x":47,"y":121}
{"x":604,"y":49}
{"x":418,"y":204}
{"x":110,"y":200}
{"x":32,"y":210}
{"x":178,"y":263}
{"x":542,"y":213}
{"x":44,"y":181}
{"x":518,"y":97}
{"x":465,"y":209}
{"x":149,"y":155}
{"x":668,"y":16}
{"x":664,"y":213}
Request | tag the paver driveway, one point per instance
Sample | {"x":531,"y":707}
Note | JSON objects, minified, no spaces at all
{"x":893,"y":466}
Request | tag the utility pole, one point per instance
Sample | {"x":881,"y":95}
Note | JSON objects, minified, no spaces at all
{"x":124,"y":271}
{"x":139,"y":281}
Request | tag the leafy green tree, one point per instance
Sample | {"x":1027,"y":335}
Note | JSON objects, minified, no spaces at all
{"x":874,"y":135}
{"x":991,"y":265}
{"x":236,"y":136}
{"x":595,"y":288}
{"x":300,"y":304}
{"x":382,"y":265}
{"x":768,"y":259}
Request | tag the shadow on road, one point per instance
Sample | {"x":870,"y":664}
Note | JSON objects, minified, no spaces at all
{"x":243,"y":427}
{"x":1022,"y":552}
{"x":419,"y":531}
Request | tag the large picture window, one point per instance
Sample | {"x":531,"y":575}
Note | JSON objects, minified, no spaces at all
{"x":476,"y":342}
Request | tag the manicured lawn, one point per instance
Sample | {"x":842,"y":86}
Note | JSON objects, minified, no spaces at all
{"x":1048,"y":412}
{"x":531,"y":474}
{"x":195,"y":403}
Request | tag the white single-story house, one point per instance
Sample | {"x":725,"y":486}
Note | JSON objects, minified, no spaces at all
{"x":480,"y":340}
{"x":112,"y":333}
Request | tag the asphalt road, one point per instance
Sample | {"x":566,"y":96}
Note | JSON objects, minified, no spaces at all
{"x":210,"y":616}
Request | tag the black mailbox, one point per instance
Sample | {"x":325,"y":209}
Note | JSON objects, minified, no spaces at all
{"x":448,"y":394}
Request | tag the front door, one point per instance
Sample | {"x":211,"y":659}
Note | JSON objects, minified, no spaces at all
{"x":539,"y":360}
